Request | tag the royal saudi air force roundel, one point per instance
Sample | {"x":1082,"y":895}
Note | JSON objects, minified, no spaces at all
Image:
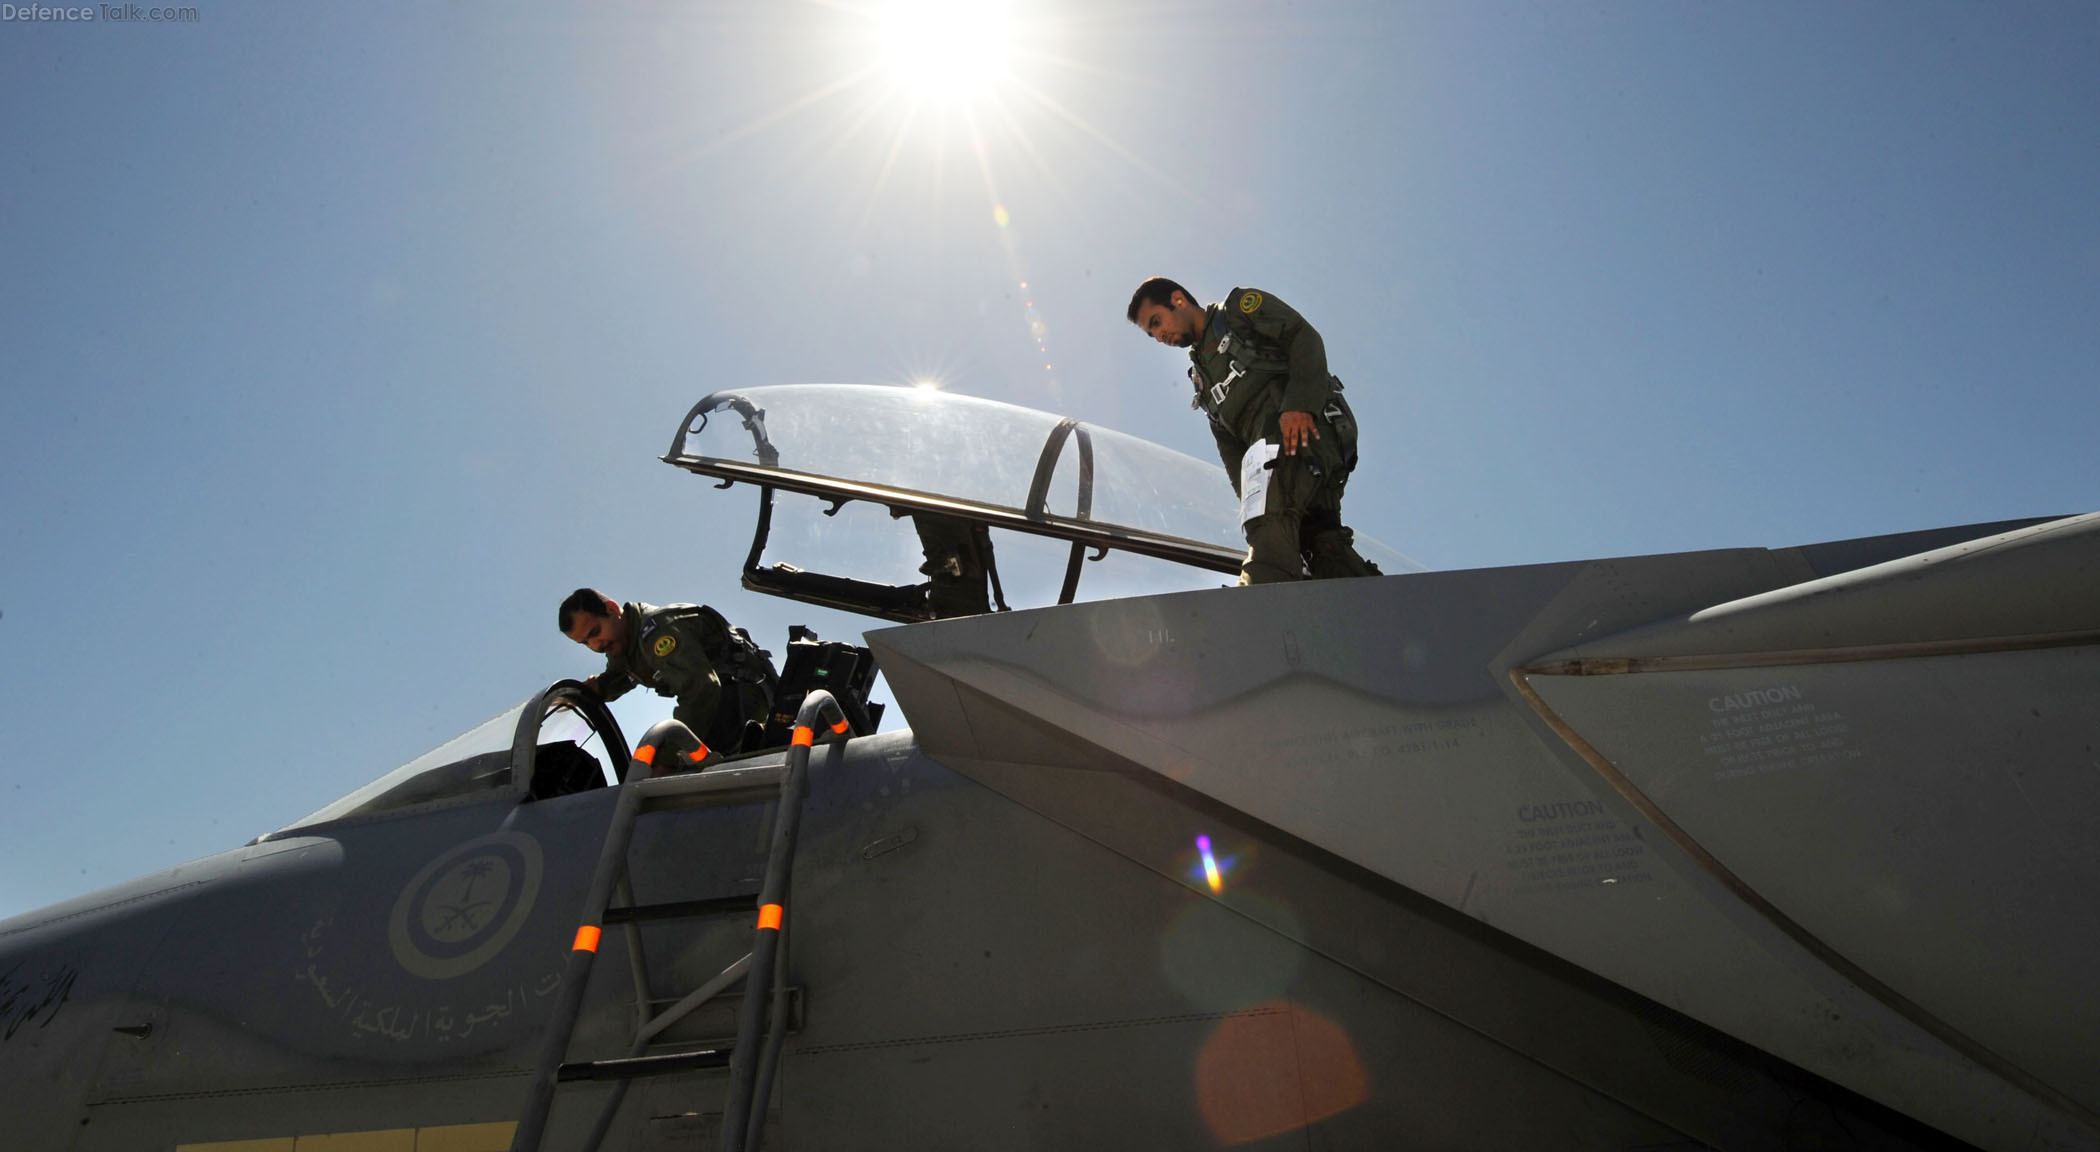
{"x":664,"y":646}
{"x":1250,"y":302}
{"x":461,"y":910}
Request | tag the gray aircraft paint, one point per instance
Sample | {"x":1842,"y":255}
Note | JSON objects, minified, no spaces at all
{"x":1378,"y":720}
{"x":1490,"y":876}
{"x":998,"y":928}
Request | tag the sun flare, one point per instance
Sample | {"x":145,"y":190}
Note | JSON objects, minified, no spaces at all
{"x":912,"y":94}
{"x":947,"y":51}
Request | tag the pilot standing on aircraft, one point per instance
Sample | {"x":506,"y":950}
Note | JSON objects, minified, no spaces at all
{"x":724,"y":683}
{"x":1286,"y":436}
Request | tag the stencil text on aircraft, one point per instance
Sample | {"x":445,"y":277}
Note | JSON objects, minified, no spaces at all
{"x":1772,"y":729}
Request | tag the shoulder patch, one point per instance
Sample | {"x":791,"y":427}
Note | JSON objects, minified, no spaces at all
{"x":1250,"y":302}
{"x":664,"y":646}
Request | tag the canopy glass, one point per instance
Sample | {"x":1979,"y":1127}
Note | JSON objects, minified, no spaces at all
{"x":926,"y":451}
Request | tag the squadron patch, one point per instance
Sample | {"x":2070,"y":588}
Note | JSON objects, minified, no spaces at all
{"x":664,"y":646}
{"x":1250,"y":302}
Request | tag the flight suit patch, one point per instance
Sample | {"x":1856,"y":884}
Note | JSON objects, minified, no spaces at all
{"x":664,"y":646}
{"x":1250,"y":302}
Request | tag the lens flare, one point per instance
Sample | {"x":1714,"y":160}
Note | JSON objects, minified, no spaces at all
{"x":1211,"y":875}
{"x":1276,"y":1068}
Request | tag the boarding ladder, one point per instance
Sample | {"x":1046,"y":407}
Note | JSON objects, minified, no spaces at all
{"x":756,"y":1052}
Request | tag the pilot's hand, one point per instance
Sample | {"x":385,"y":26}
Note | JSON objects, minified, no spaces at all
{"x":591,"y":682}
{"x":1299,"y":431}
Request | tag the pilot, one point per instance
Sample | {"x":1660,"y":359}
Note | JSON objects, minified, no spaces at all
{"x":724,"y":683}
{"x":1286,"y":436}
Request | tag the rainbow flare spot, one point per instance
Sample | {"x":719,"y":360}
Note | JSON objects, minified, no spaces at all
{"x":1210,"y":866}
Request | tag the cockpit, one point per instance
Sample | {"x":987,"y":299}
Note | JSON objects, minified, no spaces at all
{"x":1069,"y":499}
{"x":563,"y":741}
{"x":559,"y":742}
{"x":886,"y":454}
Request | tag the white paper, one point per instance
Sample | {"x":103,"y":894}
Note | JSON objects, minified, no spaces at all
{"x":1255,"y":469}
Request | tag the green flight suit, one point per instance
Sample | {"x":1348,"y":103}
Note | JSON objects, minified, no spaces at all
{"x":1255,"y":360}
{"x":720,"y":678}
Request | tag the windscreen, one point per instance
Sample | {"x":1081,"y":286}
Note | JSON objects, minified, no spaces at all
{"x":475,"y":761}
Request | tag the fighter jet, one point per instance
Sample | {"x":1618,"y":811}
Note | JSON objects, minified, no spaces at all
{"x":1739,"y":849}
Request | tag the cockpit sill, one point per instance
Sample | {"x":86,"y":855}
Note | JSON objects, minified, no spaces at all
{"x":457,"y":775}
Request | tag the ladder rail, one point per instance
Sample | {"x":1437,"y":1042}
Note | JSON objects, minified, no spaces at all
{"x":561,"y":1024}
{"x":819,"y":707}
{"x":769,"y":1055}
{"x":638,"y":971}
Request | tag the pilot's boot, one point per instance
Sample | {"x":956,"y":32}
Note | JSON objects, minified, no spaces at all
{"x":1330,"y":548}
{"x":1331,"y":552}
{"x":1272,"y":549}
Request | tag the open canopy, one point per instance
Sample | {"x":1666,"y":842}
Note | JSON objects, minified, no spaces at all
{"x":924,"y":452}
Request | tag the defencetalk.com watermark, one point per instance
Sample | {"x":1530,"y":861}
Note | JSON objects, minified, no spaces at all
{"x":97,"y":13}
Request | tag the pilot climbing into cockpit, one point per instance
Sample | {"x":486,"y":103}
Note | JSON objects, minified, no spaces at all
{"x":1284,"y":433}
{"x":724,"y":682}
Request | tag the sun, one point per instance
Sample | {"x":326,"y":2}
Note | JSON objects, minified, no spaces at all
{"x":914,"y":90}
{"x":945,"y":51}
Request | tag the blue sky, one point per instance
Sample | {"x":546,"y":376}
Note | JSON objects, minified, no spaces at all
{"x":341,"y":340}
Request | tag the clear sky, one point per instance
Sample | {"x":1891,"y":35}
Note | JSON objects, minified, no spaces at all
{"x":341,"y":340}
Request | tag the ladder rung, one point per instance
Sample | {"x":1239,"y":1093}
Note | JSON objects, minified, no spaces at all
{"x":633,"y":1066}
{"x":680,"y":909}
{"x":763,"y":776}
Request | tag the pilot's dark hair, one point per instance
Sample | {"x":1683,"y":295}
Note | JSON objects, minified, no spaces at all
{"x":589,"y":601}
{"x":1158,"y":290}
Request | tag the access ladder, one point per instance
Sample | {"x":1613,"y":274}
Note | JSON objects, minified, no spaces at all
{"x":752,"y":1060}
